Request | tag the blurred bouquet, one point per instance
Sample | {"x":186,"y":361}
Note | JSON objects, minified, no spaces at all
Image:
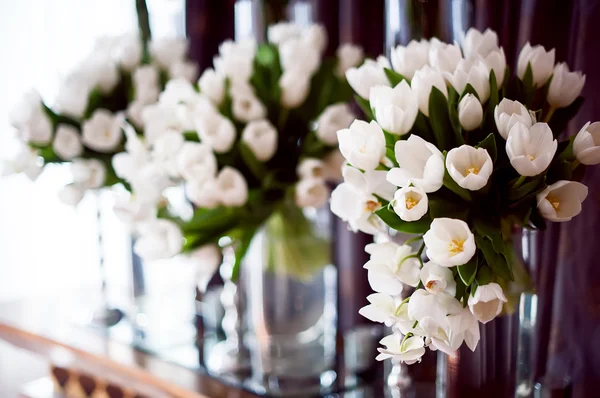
{"x":83,"y":127}
{"x":253,"y":143}
{"x":458,"y":152}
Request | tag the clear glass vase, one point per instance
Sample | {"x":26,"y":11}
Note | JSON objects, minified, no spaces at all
{"x":291,"y":296}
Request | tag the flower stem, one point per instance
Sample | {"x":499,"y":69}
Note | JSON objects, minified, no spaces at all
{"x":415,"y":239}
{"x":575,"y":164}
{"x":549,"y":114}
{"x":519,"y":182}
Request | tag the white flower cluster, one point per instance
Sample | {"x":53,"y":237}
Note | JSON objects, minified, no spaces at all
{"x":423,"y":160}
{"x":84,"y":126}
{"x":219,"y":137}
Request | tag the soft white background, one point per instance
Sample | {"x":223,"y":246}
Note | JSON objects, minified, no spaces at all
{"x":46,"y":246}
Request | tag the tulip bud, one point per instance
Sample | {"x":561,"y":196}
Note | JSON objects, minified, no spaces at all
{"x":422,"y":83}
{"x":311,"y":168}
{"x":67,"y":143}
{"x":232,"y":187}
{"x":88,"y":173}
{"x":586,"y":146}
{"x":565,"y":86}
{"x":311,"y":192}
{"x":334,"y":118}
{"x":216,"y":130}
{"x":487,"y":301}
{"x":407,"y":60}
{"x":443,"y":56}
{"x":541,"y":61}
{"x":294,"y":89}
{"x":476,"y":44}
{"x":349,"y":56}
{"x":530,"y":150}
{"x":261,"y":138}
{"x":508,"y":113}
{"x":368,"y":75}
{"x":395,"y":108}
{"x":158,"y":239}
{"x":212,"y":85}
{"x":562,"y":200}
{"x":470,"y":112}
{"x":363,"y":144}
{"x":71,"y":194}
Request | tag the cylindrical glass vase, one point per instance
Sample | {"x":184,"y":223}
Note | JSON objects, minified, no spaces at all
{"x":291,"y":291}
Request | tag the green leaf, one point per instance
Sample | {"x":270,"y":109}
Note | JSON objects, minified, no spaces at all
{"x":491,"y":232}
{"x":211,"y":219}
{"x":533,"y":187}
{"x":256,"y":166}
{"x":528,"y":77}
{"x":191,"y":135}
{"x":265,"y":55}
{"x":394,"y":77}
{"x":560,"y":170}
{"x":390,"y":154}
{"x":390,"y":139}
{"x":439,"y":208}
{"x":489,"y":144}
{"x":241,"y":248}
{"x":484,"y":274}
{"x":496,"y":261}
{"x":389,"y":217}
{"x":440,"y":119}
{"x":469,"y":90}
{"x":468,"y":271}
{"x":489,"y":122}
{"x":565,"y":149}
{"x":365,"y":106}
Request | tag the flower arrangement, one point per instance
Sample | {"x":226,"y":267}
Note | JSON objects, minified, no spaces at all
{"x":457,"y":152}
{"x":83,"y":126}
{"x":253,"y":143}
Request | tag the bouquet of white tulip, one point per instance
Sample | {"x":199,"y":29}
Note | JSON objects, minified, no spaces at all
{"x":458,"y":152}
{"x":253,"y":144}
{"x":83,"y":127}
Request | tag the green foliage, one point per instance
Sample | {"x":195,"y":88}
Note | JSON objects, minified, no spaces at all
{"x":365,"y":106}
{"x":468,"y":271}
{"x":394,"y":78}
{"x":439,"y":118}
{"x":489,"y":144}
{"x":389,"y":217}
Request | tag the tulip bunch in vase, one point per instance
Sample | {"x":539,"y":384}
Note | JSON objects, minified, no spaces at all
{"x":254,"y":144}
{"x":458,"y":152}
{"x":83,"y":128}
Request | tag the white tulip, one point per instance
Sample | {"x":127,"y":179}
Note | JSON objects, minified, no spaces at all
{"x":348,"y":56}
{"x":311,"y":192}
{"x":295,"y":87}
{"x":67,"y":143}
{"x":126,"y":164}
{"x":408,"y":59}
{"x":316,"y":36}
{"x":395,"y":109}
{"x":30,"y":119}
{"x":99,"y":70}
{"x":363,"y":144}
{"x":158,"y":119}
{"x":470,"y":112}
{"x":167,"y":51}
{"x":166,"y":150}
{"x":205,"y":260}
{"x":437,"y":279}
{"x":382,"y":309}
{"x":586,"y":145}
{"x":530,"y":150}
{"x":408,"y":351}
{"x":281,"y":32}
{"x":463,"y":326}
{"x":245,"y":104}
{"x":354,"y":201}
{"x":216,"y":130}
{"x":72,"y":98}
{"x":469,"y":167}
{"x":261,"y":138}
{"x":420,"y":163}
{"x":444,"y":57}
{"x":88,"y":173}
{"x":487,"y":301}
{"x":197,"y":162}
{"x":508,"y":113}
{"x":334,"y":118}
{"x":474,"y":73}
{"x":23,"y":159}
{"x":232,"y":187}
{"x":184,"y":70}
{"x":562,"y":200}
{"x":391,"y":266}
{"x":146,"y":84}
{"x":71,"y":194}
{"x":423,"y":81}
{"x":203,"y":194}
{"x":149,"y":182}
{"x":235,"y":60}
{"x":541,"y":61}
{"x":476,"y":44}
{"x":297,"y":49}
{"x":128,"y":51}
{"x":369,"y":74}
{"x":158,"y":239}
{"x":311,"y":168}
{"x":410,"y":203}
{"x":133,"y":210}
{"x":449,"y":242}
{"x":496,"y":61}
{"x":565,"y":86}
{"x":212,"y":84}
{"x":179,"y":91}
{"x":102,"y":132}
